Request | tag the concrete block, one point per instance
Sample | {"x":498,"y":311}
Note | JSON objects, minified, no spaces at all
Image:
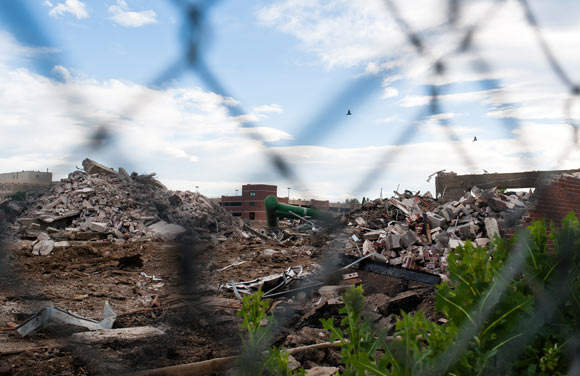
{"x":491,"y":227}
{"x":373,"y":235}
{"x":62,"y":244}
{"x":409,"y":238}
{"x":442,"y":237}
{"x":98,"y":226}
{"x":394,"y":241}
{"x":467,"y":230}
{"x":436,"y":220}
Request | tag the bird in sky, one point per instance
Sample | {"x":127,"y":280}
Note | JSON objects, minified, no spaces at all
{"x":348,"y":113}
{"x":474,"y":139}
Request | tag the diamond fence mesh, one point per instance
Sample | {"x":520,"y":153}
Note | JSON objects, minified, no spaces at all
{"x":192,"y":247}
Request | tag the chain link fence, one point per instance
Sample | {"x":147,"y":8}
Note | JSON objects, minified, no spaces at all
{"x":192,"y":60}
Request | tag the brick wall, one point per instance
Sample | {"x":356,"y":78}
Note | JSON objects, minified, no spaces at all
{"x":552,"y":201}
{"x":555,"y":199}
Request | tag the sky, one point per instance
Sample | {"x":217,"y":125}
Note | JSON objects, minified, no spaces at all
{"x":118,"y":81}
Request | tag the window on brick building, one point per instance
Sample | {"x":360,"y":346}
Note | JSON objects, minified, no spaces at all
{"x":252,"y":215}
{"x":252,"y":193}
{"x":252,"y":203}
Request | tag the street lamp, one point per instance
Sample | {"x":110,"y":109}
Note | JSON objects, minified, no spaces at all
{"x":196,"y":188}
{"x":237,"y":191}
{"x":288,"y":193}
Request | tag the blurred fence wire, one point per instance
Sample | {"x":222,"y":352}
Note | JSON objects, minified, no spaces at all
{"x":195,"y":28}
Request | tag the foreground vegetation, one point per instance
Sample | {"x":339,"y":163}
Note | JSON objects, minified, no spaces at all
{"x":512,"y":308}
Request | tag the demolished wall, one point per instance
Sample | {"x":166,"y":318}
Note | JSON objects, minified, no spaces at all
{"x":553,"y":200}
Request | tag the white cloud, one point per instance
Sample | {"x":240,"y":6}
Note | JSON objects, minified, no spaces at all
{"x":268,"y":108}
{"x":339,"y":32}
{"x":121,"y":14}
{"x":267,"y":134}
{"x":75,"y":7}
{"x":10,"y":49}
{"x":390,"y":92}
{"x":470,"y":96}
{"x":62,"y":72}
{"x":351,"y":33}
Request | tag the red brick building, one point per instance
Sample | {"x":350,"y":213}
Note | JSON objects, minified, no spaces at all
{"x":250,"y":205}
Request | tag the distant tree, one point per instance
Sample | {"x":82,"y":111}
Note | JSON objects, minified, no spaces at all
{"x":352,"y":201}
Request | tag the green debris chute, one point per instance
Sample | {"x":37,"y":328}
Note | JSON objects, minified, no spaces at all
{"x":276,"y":210}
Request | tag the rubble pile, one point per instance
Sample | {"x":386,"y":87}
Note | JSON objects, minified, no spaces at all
{"x":100,"y":203}
{"x":417,"y":232}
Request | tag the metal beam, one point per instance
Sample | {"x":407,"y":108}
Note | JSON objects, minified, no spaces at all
{"x":392,"y":271}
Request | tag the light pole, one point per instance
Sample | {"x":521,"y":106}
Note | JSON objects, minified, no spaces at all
{"x":288,"y":193}
{"x":237,"y":191}
{"x":197,"y":188}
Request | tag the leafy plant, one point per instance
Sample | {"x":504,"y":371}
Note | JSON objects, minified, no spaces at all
{"x":257,"y":357}
{"x":359,"y":343}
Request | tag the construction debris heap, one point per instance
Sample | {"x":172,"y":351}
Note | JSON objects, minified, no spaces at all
{"x":417,"y":232}
{"x":101,"y":203}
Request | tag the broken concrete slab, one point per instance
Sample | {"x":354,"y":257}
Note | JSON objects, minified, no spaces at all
{"x":125,"y":176}
{"x":360,"y":221}
{"x":166,"y":231}
{"x":50,"y":315}
{"x":270,"y":252}
{"x":454,"y":243}
{"x":117,"y":335}
{"x":409,"y":238}
{"x":482,"y":242}
{"x":330,"y":292}
{"x":491,"y":227}
{"x":321,"y":371}
{"x":43,"y":247}
{"x":368,"y":247}
{"x":373,"y":235}
{"x":92,"y":167}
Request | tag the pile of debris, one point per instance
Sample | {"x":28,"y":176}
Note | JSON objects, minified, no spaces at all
{"x":416,"y":232}
{"x":101,"y":203}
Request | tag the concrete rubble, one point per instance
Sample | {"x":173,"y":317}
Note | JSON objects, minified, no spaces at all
{"x":101,"y":203}
{"x":418,"y":232}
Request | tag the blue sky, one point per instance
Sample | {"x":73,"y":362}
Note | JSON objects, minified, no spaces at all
{"x":68,"y":67}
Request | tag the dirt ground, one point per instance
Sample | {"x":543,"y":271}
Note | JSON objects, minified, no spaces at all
{"x":174,"y":288}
